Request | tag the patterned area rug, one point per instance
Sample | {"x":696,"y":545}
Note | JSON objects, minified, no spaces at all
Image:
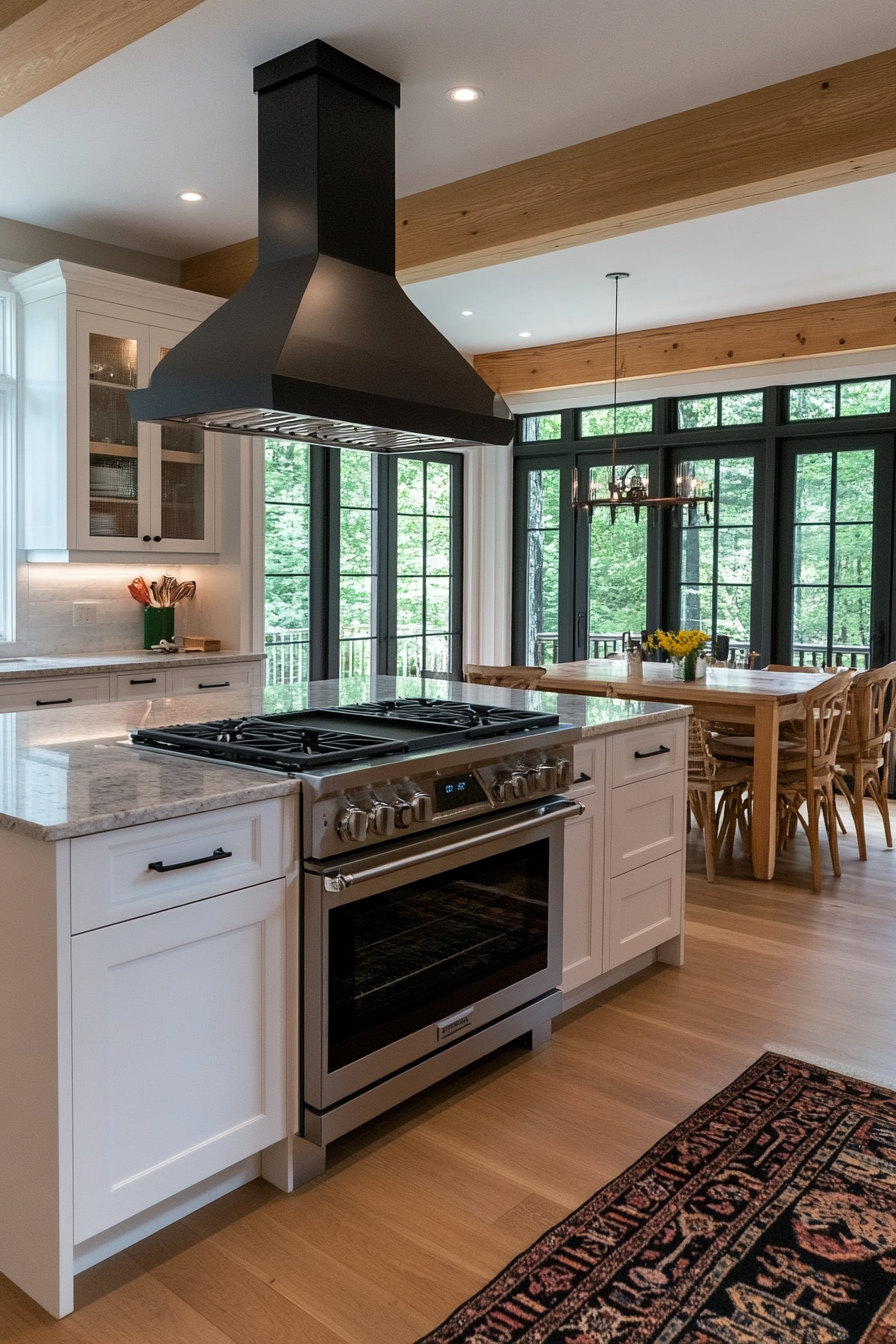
{"x":767,"y":1217}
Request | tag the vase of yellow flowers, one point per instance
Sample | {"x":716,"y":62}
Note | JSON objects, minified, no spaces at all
{"x":686,"y":648}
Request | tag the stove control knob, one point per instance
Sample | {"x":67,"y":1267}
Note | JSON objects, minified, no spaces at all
{"x":404,"y":813}
{"x":564,"y":774}
{"x":352,"y":824}
{"x":501,"y":788}
{"x":546,"y":777}
{"x":381,"y":818}
{"x":421,"y":806}
{"x":519,"y":784}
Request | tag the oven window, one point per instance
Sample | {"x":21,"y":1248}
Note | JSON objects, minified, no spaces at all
{"x":407,"y":958}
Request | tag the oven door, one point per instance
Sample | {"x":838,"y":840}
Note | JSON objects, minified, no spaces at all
{"x":418,"y":944}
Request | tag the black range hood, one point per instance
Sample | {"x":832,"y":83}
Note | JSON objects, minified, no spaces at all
{"x":322,"y":344}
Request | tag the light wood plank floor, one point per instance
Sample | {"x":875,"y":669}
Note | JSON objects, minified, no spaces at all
{"x":423,"y":1206}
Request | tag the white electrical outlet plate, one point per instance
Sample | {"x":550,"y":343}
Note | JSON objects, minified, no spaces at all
{"x":83,"y":613}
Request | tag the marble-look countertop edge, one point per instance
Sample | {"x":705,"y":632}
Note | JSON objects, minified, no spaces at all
{"x":181,"y":807}
{"x":34,"y":666}
{"x":653,"y":713}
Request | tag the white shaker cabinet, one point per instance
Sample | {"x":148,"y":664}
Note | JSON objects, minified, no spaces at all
{"x":178,"y":1050}
{"x":623,"y":888}
{"x":95,"y":482}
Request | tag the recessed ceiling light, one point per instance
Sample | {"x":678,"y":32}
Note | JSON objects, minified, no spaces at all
{"x":466,"y":312}
{"x":524,"y":333}
{"x":464,"y":95}
{"x":192,"y":196}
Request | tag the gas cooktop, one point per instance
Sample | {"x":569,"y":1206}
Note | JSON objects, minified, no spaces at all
{"x":311,"y":738}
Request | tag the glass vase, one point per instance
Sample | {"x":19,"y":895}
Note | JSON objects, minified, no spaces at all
{"x":684,"y":668}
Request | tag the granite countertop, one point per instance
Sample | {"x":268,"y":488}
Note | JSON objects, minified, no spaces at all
{"x":69,"y":772}
{"x":86,"y":664}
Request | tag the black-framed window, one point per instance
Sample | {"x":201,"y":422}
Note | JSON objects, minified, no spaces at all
{"x":363,"y":563}
{"x":732,"y":573}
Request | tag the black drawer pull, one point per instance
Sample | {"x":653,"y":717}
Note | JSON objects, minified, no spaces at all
{"x":660,"y":751}
{"x":212,"y":685}
{"x":66,"y":701}
{"x":583,"y":779}
{"x":143,"y":681}
{"x":160,"y":867}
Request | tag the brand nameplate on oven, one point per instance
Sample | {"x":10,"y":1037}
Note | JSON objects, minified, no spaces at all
{"x":450,"y":1026}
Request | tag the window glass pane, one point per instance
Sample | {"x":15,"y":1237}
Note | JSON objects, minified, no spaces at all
{"x":855,"y":487}
{"x":539,"y":427}
{"x":734,"y":502}
{"x":410,"y":485}
{"x":698,"y":413}
{"x":813,"y":403}
{"x":742,"y":408}
{"x":852,"y":553}
{"x":735,"y":560}
{"x":733,"y":612}
{"x":852,"y":626}
{"x":811,"y":553}
{"x":542,"y":566}
{"x":438,"y":545}
{"x":696,"y":607}
{"x":287,"y":560}
{"x":813,"y":488}
{"x":357,"y":563}
{"x":810,"y":625}
{"x":634,"y":419}
{"x":867,"y":398}
{"x":438,"y":488}
{"x":617,"y":570}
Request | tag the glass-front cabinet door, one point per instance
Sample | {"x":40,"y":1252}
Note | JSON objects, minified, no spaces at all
{"x":141,"y":487}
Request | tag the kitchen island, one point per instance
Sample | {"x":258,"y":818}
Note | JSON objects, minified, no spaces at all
{"x":149,"y":1009}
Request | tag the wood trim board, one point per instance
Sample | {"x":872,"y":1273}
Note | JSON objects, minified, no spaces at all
{"x":818,"y":130}
{"x":803,"y":332}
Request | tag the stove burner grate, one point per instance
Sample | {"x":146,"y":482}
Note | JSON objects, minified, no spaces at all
{"x":489,"y":719}
{"x":264,"y":742}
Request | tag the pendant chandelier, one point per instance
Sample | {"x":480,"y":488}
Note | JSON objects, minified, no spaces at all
{"x":629,"y":489}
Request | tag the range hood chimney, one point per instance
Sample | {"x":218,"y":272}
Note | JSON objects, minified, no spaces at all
{"x":322,"y":344}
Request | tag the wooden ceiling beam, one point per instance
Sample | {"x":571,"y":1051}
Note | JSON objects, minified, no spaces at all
{"x":814,"y":329}
{"x":44,"y":42}
{"x":819,"y":130}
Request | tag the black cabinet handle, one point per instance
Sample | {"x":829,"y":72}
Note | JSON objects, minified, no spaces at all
{"x":660,"y":751}
{"x":212,"y":685}
{"x":143,"y":681}
{"x":157,"y":538}
{"x":160,"y":867}
{"x":66,"y":701}
{"x":583,"y":779}
{"x":147,"y":537}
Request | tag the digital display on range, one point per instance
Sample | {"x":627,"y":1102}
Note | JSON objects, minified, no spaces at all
{"x":458,"y":791}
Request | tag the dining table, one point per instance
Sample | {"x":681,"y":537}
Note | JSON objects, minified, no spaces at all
{"x":729,"y":695}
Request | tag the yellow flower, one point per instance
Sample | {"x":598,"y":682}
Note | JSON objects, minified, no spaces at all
{"x":680,"y":643}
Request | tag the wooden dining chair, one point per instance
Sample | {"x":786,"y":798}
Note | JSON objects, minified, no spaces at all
{"x":865,"y":745}
{"x":707,"y":777}
{"x":514,"y":676}
{"x":799,"y":667}
{"x":806,"y":778}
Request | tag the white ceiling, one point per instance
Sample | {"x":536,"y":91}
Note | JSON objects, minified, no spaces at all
{"x":105,"y":154}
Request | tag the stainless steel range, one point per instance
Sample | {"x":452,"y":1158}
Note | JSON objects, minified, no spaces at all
{"x":432,"y":846}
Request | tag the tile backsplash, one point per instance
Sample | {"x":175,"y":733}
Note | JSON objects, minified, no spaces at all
{"x":46,"y":594}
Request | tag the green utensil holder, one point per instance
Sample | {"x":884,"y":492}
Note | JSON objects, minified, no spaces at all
{"x":158,"y":623}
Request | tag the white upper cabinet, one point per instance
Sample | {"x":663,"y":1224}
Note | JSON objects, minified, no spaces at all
{"x":94,"y":481}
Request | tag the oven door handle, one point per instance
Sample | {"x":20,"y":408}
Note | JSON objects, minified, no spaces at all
{"x":339,"y":881}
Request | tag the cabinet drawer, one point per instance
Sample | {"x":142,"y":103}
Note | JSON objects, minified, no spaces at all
{"x":112,"y":879}
{"x":217,"y":677}
{"x":646,"y":821}
{"x":54,"y":692}
{"x":644,"y":752}
{"x":139,"y":685}
{"x":644,"y":909}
